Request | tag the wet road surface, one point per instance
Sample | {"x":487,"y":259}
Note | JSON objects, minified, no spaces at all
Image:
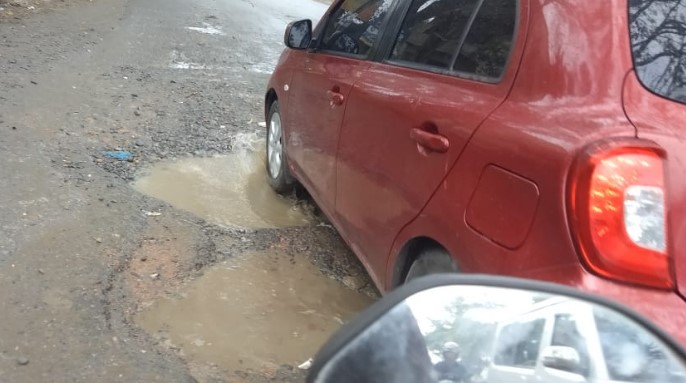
{"x":100,"y":258}
{"x":227,"y":190}
{"x":264,"y":309}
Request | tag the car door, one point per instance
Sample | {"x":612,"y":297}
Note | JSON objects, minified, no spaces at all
{"x":320,"y":87}
{"x":413,"y":111}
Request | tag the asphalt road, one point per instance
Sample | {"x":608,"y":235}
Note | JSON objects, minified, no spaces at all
{"x":81,"y":252}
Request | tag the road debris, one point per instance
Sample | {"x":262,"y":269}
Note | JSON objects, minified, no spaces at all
{"x":306,"y":365}
{"x":121,"y":155}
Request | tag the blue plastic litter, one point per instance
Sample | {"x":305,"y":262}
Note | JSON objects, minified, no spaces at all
{"x":121,"y":155}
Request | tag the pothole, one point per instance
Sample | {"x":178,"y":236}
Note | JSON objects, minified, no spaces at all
{"x":228,"y":190}
{"x":264,"y":309}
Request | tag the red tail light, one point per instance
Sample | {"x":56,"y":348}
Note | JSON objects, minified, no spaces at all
{"x":618,"y":212}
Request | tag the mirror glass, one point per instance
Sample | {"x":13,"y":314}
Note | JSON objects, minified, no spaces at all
{"x":299,"y":34}
{"x":498,"y":335}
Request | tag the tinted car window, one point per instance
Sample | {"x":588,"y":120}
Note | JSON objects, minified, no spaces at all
{"x":354,"y":27}
{"x":487,"y":47}
{"x":658,"y":37}
{"x":432,"y":31}
{"x":519,"y":343}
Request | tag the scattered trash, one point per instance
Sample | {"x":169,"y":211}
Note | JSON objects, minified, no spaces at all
{"x":31,"y":7}
{"x":121,"y":155}
{"x":152,"y":213}
{"x":98,"y":240}
{"x":262,"y":124}
{"x":306,"y":365}
{"x":155,"y":276}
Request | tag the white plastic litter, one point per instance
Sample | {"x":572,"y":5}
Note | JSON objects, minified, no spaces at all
{"x":306,"y":365}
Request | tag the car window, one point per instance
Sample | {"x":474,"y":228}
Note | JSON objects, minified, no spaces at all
{"x":621,"y":341}
{"x":518,"y":344}
{"x":432,"y":31}
{"x":566,"y":333}
{"x":354,"y":27}
{"x":486,"y":49}
{"x":658,"y":36}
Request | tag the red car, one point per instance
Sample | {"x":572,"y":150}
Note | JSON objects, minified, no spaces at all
{"x":534,"y":138}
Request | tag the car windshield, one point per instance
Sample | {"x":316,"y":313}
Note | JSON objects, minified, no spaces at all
{"x":658,"y":38}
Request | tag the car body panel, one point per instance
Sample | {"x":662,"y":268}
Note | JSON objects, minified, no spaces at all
{"x":537,"y":133}
{"x":313,"y":136}
{"x":558,"y":96}
{"x":662,"y":121}
{"x":384,"y":177}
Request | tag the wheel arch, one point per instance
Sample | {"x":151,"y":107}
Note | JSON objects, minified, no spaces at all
{"x":269,"y":98}
{"x":408,"y":253}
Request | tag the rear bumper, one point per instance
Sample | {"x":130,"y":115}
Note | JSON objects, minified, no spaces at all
{"x":667,"y":309}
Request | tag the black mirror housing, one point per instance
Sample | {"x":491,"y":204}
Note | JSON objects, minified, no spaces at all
{"x":298,"y":34}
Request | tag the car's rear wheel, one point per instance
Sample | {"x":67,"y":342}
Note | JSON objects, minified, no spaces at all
{"x":278,"y":174}
{"x":433,"y":260}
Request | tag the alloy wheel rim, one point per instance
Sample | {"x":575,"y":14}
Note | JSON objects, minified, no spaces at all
{"x":274,"y":146}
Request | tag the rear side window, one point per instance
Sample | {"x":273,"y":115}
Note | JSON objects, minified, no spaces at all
{"x":518,"y":344}
{"x":432,"y":31}
{"x":658,"y":41}
{"x":354,"y":27}
{"x":487,"y":47}
{"x":467,"y":37}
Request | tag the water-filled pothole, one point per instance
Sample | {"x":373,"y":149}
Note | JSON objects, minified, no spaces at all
{"x":265,"y":309}
{"x":229,"y":190}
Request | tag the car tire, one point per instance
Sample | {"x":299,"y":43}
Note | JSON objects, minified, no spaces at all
{"x":278,"y":174}
{"x":431,"y":261}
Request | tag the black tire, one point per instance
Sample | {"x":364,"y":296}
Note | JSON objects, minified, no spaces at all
{"x":431,"y":261}
{"x":279,"y":177}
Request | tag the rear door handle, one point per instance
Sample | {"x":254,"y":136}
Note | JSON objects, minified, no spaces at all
{"x":431,"y":141}
{"x":336,"y":98}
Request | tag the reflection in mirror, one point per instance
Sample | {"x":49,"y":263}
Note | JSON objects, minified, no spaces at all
{"x":299,"y":34}
{"x":498,"y":335}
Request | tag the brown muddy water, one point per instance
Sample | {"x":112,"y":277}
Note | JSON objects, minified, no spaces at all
{"x":229,"y":190}
{"x":257,"y":310}
{"x":264,"y":309}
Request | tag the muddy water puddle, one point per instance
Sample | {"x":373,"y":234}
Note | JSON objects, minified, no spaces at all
{"x":229,"y":190}
{"x":261,"y":310}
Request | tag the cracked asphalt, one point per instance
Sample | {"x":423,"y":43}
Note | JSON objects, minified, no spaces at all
{"x":162,"y":80}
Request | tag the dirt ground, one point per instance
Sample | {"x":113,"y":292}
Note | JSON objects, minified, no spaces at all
{"x":81,"y":252}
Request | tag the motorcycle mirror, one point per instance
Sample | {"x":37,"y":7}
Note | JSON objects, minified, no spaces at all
{"x":453,"y":328}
